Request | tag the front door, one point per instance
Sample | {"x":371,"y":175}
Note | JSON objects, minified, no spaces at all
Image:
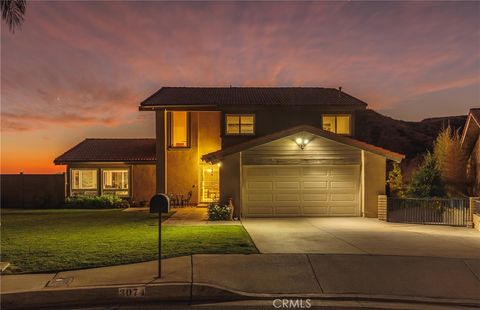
{"x":209,"y":183}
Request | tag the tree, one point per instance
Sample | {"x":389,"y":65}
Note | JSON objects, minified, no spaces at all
{"x":395,"y":181}
{"x":13,"y":12}
{"x":451,"y":160}
{"x":427,"y":181}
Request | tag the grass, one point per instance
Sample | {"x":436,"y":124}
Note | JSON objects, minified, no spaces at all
{"x":54,"y":240}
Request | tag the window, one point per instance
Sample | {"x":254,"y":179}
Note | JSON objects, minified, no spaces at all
{"x":84,"y":178}
{"x":179,"y":133}
{"x":240,"y":124}
{"x":336,"y":123}
{"x":115,"y":179}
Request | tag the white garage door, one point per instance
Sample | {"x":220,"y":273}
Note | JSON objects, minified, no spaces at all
{"x":270,"y":191}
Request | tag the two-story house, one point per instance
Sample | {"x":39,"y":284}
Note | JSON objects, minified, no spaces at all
{"x":283,"y":151}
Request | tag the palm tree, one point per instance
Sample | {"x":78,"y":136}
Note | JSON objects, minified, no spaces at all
{"x":13,"y":12}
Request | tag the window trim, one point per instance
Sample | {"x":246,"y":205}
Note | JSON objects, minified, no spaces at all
{"x":240,"y":124}
{"x":170,"y":145}
{"x":336,"y":115}
{"x":91,"y":189}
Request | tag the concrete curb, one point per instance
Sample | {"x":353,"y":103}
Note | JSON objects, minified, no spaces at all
{"x":187,"y":292}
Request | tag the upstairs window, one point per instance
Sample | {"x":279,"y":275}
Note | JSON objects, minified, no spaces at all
{"x":179,"y":129}
{"x":337,"y":123}
{"x":84,"y":179}
{"x":240,"y":124}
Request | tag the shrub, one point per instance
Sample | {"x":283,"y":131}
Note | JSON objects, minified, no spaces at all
{"x":395,"y":181}
{"x":426,"y":181}
{"x":96,"y":202}
{"x":218,"y":212}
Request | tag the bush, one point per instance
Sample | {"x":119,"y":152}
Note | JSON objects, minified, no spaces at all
{"x":96,"y":202}
{"x":218,"y":212}
{"x":427,"y":181}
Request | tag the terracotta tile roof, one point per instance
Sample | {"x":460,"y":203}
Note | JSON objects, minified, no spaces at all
{"x":216,"y":96}
{"x":110,"y":150}
{"x":217,"y":156}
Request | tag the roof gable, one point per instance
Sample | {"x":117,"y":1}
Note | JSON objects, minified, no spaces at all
{"x":270,"y":96}
{"x":471,"y":130}
{"x":314,"y":131}
{"x":110,"y":150}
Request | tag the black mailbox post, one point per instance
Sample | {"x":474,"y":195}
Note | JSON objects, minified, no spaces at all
{"x":159,"y":203}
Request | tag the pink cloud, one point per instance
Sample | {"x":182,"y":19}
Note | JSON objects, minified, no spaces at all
{"x":88,"y":64}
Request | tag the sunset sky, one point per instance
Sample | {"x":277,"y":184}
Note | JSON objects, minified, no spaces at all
{"x":78,"y":70}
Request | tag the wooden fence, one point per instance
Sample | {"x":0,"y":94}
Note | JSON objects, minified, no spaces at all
{"x":32,"y":190}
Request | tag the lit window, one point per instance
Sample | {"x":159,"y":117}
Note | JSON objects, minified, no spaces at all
{"x":179,"y":129}
{"x":237,"y":124}
{"x":84,"y":178}
{"x":339,"y":124}
{"x":115,"y":179}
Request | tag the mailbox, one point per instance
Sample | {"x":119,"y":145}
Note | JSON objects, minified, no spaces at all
{"x":159,"y":203}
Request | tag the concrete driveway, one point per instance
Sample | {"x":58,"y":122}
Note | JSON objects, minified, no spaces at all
{"x":361,"y":236}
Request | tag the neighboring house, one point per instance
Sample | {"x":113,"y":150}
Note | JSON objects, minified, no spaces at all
{"x":124,"y":167}
{"x":274,"y":151}
{"x":471,"y":145}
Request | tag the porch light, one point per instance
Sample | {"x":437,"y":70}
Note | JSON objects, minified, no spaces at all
{"x":302,"y":142}
{"x":219,"y":164}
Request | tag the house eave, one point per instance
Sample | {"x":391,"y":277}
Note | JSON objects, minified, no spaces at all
{"x":217,"y":156}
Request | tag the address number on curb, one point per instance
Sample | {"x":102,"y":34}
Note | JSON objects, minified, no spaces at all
{"x":138,"y":291}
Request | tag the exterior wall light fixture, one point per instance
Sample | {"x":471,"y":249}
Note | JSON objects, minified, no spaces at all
{"x":301,"y":142}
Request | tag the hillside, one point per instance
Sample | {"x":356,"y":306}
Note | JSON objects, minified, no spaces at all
{"x":409,"y":138}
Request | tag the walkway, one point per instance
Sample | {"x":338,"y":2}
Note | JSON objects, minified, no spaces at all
{"x":194,"y":216}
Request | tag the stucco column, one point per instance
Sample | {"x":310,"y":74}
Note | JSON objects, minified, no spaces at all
{"x":161,"y":150}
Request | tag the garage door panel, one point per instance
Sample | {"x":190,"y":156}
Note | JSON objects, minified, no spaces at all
{"x":301,"y":190}
{"x":287,"y":171}
{"x":342,"y":197}
{"x":314,"y":185}
{"x":348,"y":184}
{"x":295,"y":185}
{"x":314,"y":197}
{"x":259,"y":185}
{"x":343,"y":170}
{"x":260,"y":172}
{"x":287,"y":197}
{"x":264,"y":197}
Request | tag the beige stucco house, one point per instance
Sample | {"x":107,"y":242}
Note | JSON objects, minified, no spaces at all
{"x":276,"y":152}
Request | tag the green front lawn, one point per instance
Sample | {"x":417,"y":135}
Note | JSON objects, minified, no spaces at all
{"x":54,"y":240}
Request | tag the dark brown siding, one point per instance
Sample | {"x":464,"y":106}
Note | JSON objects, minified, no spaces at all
{"x":273,"y":119}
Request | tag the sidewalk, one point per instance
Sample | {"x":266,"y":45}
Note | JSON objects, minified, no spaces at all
{"x":258,"y":276}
